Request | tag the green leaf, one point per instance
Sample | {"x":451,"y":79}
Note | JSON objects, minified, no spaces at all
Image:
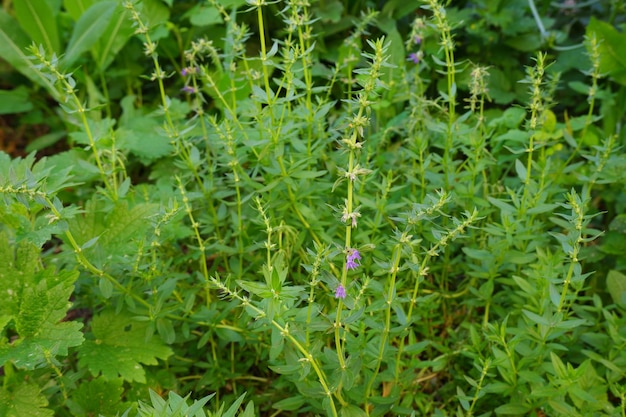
{"x":203,"y":15}
{"x":119,"y":231}
{"x":618,"y":224}
{"x":37,"y":18}
{"x":616,"y":284}
{"x":24,"y":400}
{"x":536,"y":318}
{"x":505,"y":207}
{"x":120,"y":348}
{"x":290,"y":404}
{"x":234,"y":407}
{"x":116,"y":35}
{"x":13,"y":42}
{"x":96,"y":395}
{"x":138,"y":133}
{"x":37,"y":302}
{"x":559,"y":366}
{"x":76,"y":8}
{"x":15,"y":101}
{"x":352,"y":411}
{"x":611,"y":46}
{"x":88,"y":30}
{"x":513,"y":409}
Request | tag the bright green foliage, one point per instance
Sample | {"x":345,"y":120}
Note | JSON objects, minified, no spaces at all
{"x":176,"y":406}
{"x":22,"y":400}
{"x":94,"y":396}
{"x":109,"y":235}
{"x":120,"y":347}
{"x":36,"y":300}
{"x":411,"y":210}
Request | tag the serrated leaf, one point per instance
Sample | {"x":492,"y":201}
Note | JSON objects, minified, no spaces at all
{"x":94,"y":396}
{"x":88,"y":30}
{"x":120,"y":348}
{"x":37,"y":301}
{"x":24,"y":400}
{"x":119,"y":231}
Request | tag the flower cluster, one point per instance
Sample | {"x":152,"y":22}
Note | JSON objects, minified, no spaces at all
{"x":352,"y":259}
{"x":340,"y":292}
{"x":416,"y":38}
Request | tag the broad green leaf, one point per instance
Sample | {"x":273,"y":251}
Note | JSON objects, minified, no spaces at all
{"x":505,"y":207}
{"x":307,"y":174}
{"x":520,"y":168}
{"x":611,"y":47}
{"x":37,"y":18}
{"x":88,"y":30}
{"x":536,"y":318}
{"x":290,"y":404}
{"x":23,"y":400}
{"x":350,"y":410}
{"x":618,"y":224}
{"x":76,"y":8}
{"x":120,"y":348}
{"x":13,"y":42}
{"x":119,"y":231}
{"x":513,"y":409}
{"x":616,"y":284}
{"x":202,"y":15}
{"x":15,"y":101}
{"x":138,"y":133}
{"x":94,"y":396}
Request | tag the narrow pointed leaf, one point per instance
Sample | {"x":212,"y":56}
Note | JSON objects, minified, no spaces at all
{"x":88,"y":30}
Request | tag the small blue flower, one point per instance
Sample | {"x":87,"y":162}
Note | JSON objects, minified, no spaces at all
{"x":340,"y":292}
{"x":413,"y":56}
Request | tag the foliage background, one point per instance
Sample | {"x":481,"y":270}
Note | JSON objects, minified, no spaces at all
{"x":211,"y":166}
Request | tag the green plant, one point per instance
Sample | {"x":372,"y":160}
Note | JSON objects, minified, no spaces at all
{"x":325,"y":238}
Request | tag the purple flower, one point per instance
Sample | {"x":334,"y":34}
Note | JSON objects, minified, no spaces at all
{"x":188,"y":71}
{"x":340,"y":292}
{"x":188,"y":89}
{"x":352,"y":258}
{"x":417,"y":39}
{"x":413,"y":56}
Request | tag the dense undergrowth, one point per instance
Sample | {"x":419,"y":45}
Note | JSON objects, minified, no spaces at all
{"x":301,"y":208}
